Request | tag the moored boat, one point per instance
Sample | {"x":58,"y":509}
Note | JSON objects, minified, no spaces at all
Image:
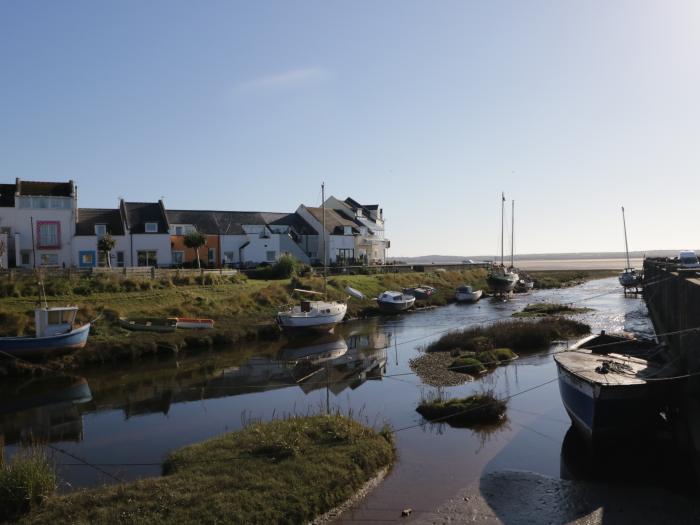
{"x":502,"y":280}
{"x":394,"y":302}
{"x":524,"y":285}
{"x":54,"y":334}
{"x":422,"y":292}
{"x":608,"y":394}
{"x":629,"y":278}
{"x":149,"y":324}
{"x":317,"y":316}
{"x":467,"y":294}
{"x":190,"y":323}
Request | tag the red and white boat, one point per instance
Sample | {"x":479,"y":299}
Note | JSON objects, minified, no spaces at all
{"x":190,"y":323}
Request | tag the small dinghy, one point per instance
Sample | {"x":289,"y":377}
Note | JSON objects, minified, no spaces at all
{"x":420,"y":292}
{"x":608,"y":394}
{"x":54,"y":334}
{"x":524,"y":285}
{"x":149,"y":324}
{"x":189,"y":323}
{"x":394,"y":302}
{"x":467,"y":294}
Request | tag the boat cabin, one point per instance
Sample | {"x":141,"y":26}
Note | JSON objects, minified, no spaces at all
{"x":52,"y":321}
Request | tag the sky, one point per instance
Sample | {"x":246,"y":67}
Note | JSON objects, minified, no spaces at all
{"x":431,"y":109}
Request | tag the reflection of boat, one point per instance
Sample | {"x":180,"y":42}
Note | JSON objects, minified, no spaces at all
{"x":194,"y":324}
{"x":607,"y":394}
{"x":54,"y":333}
{"x":315,"y":350}
{"x":467,"y":294}
{"x":393,"y":302}
{"x":42,"y":392}
{"x":149,"y":324}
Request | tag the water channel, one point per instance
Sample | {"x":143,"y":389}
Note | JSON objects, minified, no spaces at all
{"x":125,"y":419}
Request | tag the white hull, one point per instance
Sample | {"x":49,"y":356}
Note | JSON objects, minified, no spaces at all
{"x":468,"y":297}
{"x":319,"y":316}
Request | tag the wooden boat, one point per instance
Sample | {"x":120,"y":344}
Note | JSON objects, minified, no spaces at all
{"x":149,"y":324}
{"x":190,"y":323}
{"x":608,"y":394}
{"x":467,"y":294}
{"x":420,"y":292}
{"x":54,"y":334}
{"x":394,"y":302}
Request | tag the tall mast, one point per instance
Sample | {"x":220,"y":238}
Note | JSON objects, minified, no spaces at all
{"x":325,"y":253}
{"x":503,"y":204}
{"x":512,"y":235}
{"x":624,"y":226}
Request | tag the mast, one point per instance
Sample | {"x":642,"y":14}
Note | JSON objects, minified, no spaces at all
{"x":503,"y":204}
{"x":325,"y":253}
{"x":624,"y":226}
{"x":512,"y":234}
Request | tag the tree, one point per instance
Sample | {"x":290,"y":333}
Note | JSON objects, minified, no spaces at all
{"x":195,"y":240}
{"x":106,"y":245}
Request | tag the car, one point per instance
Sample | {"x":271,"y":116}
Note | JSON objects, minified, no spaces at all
{"x":688,"y":259}
{"x":467,"y":261}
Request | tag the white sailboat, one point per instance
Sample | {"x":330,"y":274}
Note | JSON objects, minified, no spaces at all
{"x":314,"y":315}
{"x":629,"y":278}
{"x":502,"y":280}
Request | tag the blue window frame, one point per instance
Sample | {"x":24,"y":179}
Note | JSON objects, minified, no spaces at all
{"x":87,"y":259}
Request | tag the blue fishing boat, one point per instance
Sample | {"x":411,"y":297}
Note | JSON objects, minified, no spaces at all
{"x":54,"y":334}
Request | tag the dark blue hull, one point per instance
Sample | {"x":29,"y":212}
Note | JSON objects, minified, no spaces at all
{"x":36,"y":346}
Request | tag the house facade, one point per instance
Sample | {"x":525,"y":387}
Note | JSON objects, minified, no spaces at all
{"x":372,"y":245}
{"x":39,"y":221}
{"x":91,"y":225}
{"x":148,"y":232}
{"x":340,"y":235}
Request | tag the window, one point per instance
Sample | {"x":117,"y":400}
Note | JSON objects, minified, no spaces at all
{"x":86,"y":259}
{"x":147,"y":258}
{"x":179,"y":230}
{"x":100,"y":230}
{"x":212,"y":256}
{"x":228,"y":257}
{"x":151,"y":227}
{"x":25,"y":257}
{"x":48,"y":234}
{"x":120,"y":259}
{"x":345,"y":255}
{"x":49,"y":259}
{"x":178,"y":258}
{"x":347,"y":230}
{"x":271,"y":255}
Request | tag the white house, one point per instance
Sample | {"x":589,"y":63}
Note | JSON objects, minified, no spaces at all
{"x":372,"y":244}
{"x":340,"y":236}
{"x":39,"y":221}
{"x":147,"y":229}
{"x":91,"y":225}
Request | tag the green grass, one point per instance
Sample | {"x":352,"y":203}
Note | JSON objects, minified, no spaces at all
{"x":25,"y":482}
{"x":520,"y":336}
{"x":463,"y":412}
{"x":467,"y":365}
{"x":286,"y":471}
{"x":548,"y":309}
{"x":563,"y":278}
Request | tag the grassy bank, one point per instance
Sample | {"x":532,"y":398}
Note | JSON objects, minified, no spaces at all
{"x":286,"y":471}
{"x":549,"y":309}
{"x":545,"y":279}
{"x":25,"y":482}
{"x":463,"y":412}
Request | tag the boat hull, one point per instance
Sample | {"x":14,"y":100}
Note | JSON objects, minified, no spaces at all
{"x":40,"y":346}
{"x":142,"y":325}
{"x":601,"y":412}
{"x":391,"y":307}
{"x":194,"y":324}
{"x":468,"y":297}
{"x":315,"y":323}
{"x":502,"y":283}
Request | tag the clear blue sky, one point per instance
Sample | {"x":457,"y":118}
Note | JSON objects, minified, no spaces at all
{"x":429,"y":108}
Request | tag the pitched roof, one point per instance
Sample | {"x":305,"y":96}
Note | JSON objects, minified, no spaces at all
{"x":293,"y":220}
{"x":7,"y":195}
{"x":137,"y":214}
{"x":89,"y":217}
{"x":356,"y":205}
{"x":335,"y":222}
{"x":45,"y":189}
{"x":208,"y":222}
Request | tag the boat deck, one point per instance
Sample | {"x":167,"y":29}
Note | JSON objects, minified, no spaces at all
{"x":622,"y":370}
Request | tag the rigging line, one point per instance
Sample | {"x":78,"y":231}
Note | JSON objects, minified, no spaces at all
{"x":85,"y":462}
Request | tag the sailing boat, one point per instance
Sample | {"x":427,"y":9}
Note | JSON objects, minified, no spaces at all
{"x":502,"y":280}
{"x":629,"y":278}
{"x":314,"y":315}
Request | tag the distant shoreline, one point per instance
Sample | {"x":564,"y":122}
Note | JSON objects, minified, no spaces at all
{"x":578,"y":264}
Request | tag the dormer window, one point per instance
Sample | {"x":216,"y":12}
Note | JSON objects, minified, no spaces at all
{"x":151,"y":227}
{"x":347,"y":230}
{"x":100,"y":230}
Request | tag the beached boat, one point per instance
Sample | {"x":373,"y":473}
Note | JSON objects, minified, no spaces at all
{"x":394,"y":302}
{"x":502,"y":280}
{"x":467,"y":294}
{"x":54,"y":334}
{"x":149,"y":324}
{"x":189,"y":323}
{"x":524,"y":285}
{"x":608,"y":394}
{"x":629,"y":277}
{"x":420,"y":292}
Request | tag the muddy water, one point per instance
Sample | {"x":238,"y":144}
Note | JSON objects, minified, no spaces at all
{"x":132,"y":416}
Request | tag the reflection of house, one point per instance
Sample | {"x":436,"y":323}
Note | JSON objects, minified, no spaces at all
{"x":91,"y":225}
{"x":39,"y":220}
{"x":147,"y":229}
{"x":371,"y":243}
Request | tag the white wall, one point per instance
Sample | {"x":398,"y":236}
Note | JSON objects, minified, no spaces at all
{"x":334,"y":242}
{"x":232,"y":243}
{"x":4,"y":257}
{"x":89,"y":243}
{"x":160,"y":242}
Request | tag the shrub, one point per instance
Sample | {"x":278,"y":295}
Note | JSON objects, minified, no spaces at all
{"x":467,"y":365}
{"x":285,"y":267}
{"x":25,"y":482}
{"x":467,"y":411}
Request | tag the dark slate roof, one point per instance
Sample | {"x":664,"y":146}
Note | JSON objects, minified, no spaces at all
{"x":88,"y":217}
{"x":335,"y":222}
{"x":208,"y":222}
{"x":45,"y":189}
{"x":7,"y":195}
{"x":356,"y":205}
{"x":294,"y":220}
{"x":137,"y":214}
